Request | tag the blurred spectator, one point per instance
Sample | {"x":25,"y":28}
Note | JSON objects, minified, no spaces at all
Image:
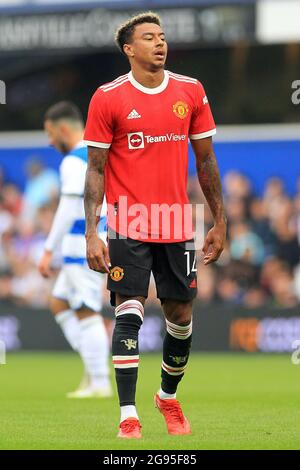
{"x":237,"y":186}
{"x":236,"y":210}
{"x":6,"y":224}
{"x":297,"y":217}
{"x":12,"y":199}
{"x":261,"y":225}
{"x":282,"y":290}
{"x":246,"y":245}
{"x":284,"y":225}
{"x":287,"y":245}
{"x":273,"y":190}
{"x":1,"y":179}
{"x":41,"y":188}
{"x":271,"y":268}
{"x":206,"y":283}
{"x":255,"y":297}
{"x":6,"y":218}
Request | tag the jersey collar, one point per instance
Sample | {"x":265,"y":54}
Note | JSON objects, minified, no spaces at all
{"x":150,"y":91}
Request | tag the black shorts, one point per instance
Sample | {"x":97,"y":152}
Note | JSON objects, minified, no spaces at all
{"x":173,"y":266}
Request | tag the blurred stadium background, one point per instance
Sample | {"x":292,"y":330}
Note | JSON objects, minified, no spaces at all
{"x":248,"y":59}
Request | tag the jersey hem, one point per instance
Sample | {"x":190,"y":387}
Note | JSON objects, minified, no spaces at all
{"x":153,"y":240}
{"x":101,"y":145}
{"x":202,"y":135}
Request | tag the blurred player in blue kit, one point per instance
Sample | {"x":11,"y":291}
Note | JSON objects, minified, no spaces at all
{"x":76,"y":299}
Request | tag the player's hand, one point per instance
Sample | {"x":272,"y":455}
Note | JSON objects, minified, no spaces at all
{"x":44,"y":264}
{"x":214,"y":243}
{"x":97,"y":254}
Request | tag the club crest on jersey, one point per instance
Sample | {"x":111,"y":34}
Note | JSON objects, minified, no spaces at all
{"x":129,"y":343}
{"x":135,"y":140}
{"x":117,"y":273}
{"x":181,"y":109}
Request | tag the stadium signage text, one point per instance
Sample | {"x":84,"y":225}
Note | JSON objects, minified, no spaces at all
{"x":2,"y":92}
{"x":95,"y":28}
{"x":296,"y":93}
{"x":265,"y":335}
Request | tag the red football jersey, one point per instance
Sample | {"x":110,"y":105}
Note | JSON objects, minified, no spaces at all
{"x":146,"y":131}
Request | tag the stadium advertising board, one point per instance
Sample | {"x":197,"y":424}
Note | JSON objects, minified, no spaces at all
{"x":94,"y":28}
{"x":216,"y":328}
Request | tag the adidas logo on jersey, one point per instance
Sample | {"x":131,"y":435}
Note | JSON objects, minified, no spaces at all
{"x":133,"y":115}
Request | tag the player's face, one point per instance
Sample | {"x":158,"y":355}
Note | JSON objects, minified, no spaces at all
{"x":149,"y":45}
{"x":55,"y":132}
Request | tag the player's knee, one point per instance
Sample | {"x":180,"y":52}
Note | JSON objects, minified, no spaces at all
{"x":129,"y":318}
{"x":179,"y":313}
{"x":120,"y":299}
{"x":57,"y":306}
{"x":130,"y":312}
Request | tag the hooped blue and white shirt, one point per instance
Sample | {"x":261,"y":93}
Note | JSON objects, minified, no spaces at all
{"x":72,"y":174}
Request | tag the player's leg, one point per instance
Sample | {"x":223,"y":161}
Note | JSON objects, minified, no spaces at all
{"x":128,"y":282}
{"x":93,"y":343}
{"x":125,"y":349}
{"x":63,"y":314}
{"x":175,"y":274}
{"x":93,"y":348}
{"x":176,"y":346}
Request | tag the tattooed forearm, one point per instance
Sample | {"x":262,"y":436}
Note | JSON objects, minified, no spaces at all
{"x":210,"y":182}
{"x":94,"y":188}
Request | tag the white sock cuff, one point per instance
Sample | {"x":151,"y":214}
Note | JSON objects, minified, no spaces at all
{"x":178,"y":331}
{"x":134,"y":307}
{"x":166,"y":396}
{"x":128,"y":411}
{"x":61,"y":317}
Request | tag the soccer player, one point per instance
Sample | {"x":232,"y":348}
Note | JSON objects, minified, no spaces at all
{"x":76,"y":299}
{"x":137,"y":135}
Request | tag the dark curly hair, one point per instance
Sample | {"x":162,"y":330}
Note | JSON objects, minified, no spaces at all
{"x":124,"y":32}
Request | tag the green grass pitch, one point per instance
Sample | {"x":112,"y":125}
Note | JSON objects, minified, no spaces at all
{"x":234,"y":401}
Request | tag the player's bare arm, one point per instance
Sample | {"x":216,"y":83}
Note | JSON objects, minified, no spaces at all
{"x":97,"y":251}
{"x":44,"y":265}
{"x":210,"y":182}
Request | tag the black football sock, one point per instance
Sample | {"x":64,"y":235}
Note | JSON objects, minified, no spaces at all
{"x":176,"y":349}
{"x":125,"y":349}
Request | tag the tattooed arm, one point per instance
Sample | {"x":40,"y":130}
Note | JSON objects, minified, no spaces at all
{"x":97,"y":251}
{"x":209,"y":179}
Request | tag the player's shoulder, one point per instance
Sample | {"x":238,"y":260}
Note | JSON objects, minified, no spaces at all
{"x":183,"y":80}
{"x":117,"y":84}
{"x":76,"y":157}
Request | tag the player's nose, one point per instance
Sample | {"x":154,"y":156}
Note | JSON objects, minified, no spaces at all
{"x":159,"y":43}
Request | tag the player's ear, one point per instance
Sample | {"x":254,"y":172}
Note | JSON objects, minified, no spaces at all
{"x":128,"y":50}
{"x":63,"y":128}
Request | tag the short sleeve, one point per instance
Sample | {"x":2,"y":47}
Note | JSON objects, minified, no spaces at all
{"x":98,"y":130}
{"x":72,"y":176}
{"x":202,"y":121}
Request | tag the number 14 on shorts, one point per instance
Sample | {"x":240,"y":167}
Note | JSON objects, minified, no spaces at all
{"x":190,"y":264}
